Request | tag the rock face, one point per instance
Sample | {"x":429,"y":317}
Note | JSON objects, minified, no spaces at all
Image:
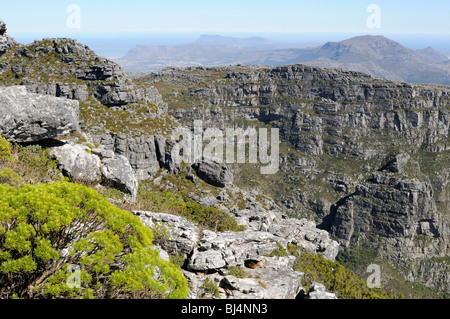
{"x":368,"y":157}
{"x":209,"y":255}
{"x":28,"y":117}
{"x":144,"y":154}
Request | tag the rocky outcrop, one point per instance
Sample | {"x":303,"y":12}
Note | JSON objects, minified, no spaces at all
{"x":145,"y":154}
{"x":182,"y":236}
{"x":63,"y":67}
{"x":209,"y":255}
{"x":118,"y":173}
{"x":6,"y":41}
{"x":28,"y":117}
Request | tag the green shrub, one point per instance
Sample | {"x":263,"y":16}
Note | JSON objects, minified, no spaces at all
{"x":278,"y":252}
{"x":338,"y":279}
{"x":209,"y":289}
{"x":8,"y":176}
{"x":237,"y":271}
{"x":166,"y":202}
{"x":47,"y":229}
{"x":5,"y":150}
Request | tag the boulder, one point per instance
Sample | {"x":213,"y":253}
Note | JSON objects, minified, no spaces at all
{"x":76,"y":162}
{"x":214,"y":173}
{"x":97,"y":165}
{"x":141,"y":152}
{"x":29,"y":117}
{"x":118,"y":173}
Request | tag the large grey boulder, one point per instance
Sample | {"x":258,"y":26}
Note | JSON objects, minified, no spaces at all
{"x":214,"y":173}
{"x":29,"y":117}
{"x":96,"y":165}
{"x":76,"y":162}
{"x":118,"y":172}
{"x":318,"y":291}
{"x":142,"y":152}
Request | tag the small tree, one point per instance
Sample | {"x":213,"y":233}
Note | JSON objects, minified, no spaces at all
{"x":49,"y":230}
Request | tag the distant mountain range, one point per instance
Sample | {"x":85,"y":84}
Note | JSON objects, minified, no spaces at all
{"x":375,"y":55}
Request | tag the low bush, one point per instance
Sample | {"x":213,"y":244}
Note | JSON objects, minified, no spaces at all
{"x":338,"y":279}
{"x":5,"y":150}
{"x":48,"y":230}
{"x":206,"y":217}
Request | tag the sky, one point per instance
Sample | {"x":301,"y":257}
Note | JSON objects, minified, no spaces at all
{"x":293,"y":16}
{"x":112,"y":27}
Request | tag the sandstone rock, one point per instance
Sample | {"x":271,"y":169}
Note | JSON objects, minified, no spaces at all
{"x":98,"y":165}
{"x":68,"y":90}
{"x":214,"y":173}
{"x":142,"y":153}
{"x":6,"y":41}
{"x":216,"y":251}
{"x":117,"y":171}
{"x":183,"y":235}
{"x":76,"y":162}
{"x":260,"y":220}
{"x":304,"y":233}
{"x":28,"y":117}
{"x":318,"y":291}
{"x":271,"y":283}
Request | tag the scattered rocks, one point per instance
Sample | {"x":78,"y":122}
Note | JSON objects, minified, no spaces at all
{"x":211,"y":255}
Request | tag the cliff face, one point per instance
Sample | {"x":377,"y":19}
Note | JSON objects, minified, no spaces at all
{"x":367,"y":158}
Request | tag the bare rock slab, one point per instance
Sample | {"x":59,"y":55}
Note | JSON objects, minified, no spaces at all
{"x":29,"y":117}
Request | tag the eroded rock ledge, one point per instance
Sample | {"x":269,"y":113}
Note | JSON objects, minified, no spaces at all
{"x":209,"y":254}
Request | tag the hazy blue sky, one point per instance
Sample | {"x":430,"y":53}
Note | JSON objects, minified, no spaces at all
{"x":399,"y":16}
